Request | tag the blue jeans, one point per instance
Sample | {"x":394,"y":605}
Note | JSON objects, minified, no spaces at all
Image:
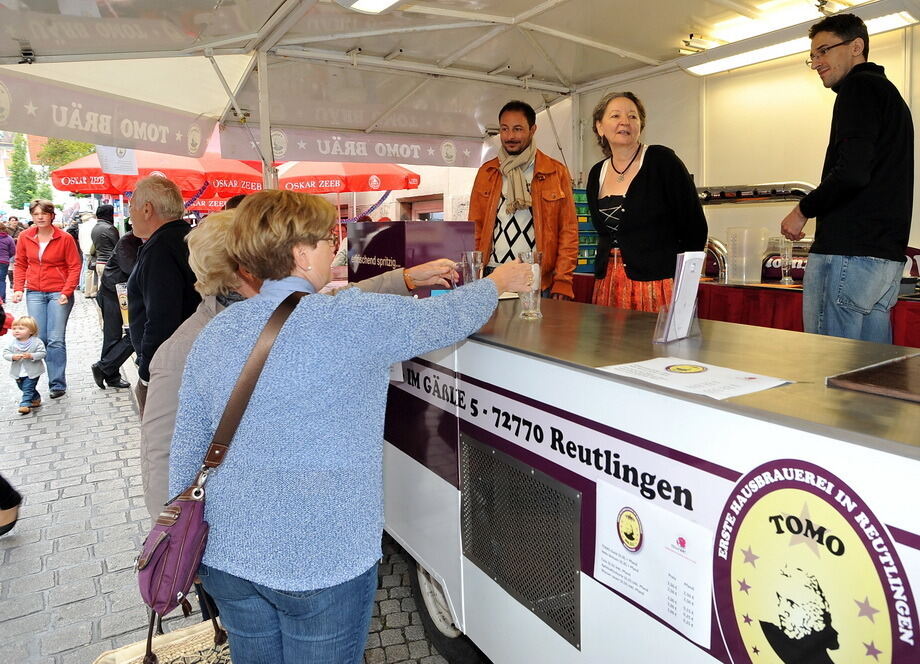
{"x":52,"y":325}
{"x":850,"y":296}
{"x":83,"y":273}
{"x":29,"y":393}
{"x":325,"y":626}
{"x":4,"y":269}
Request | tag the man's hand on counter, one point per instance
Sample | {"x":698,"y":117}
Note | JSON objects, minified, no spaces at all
{"x":791,"y":227}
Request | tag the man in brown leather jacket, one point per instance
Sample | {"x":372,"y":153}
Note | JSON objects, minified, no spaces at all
{"x":522,"y":201}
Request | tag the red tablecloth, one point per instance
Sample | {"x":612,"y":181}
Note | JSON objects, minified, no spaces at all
{"x":782,"y":309}
{"x":583,"y":285}
{"x":778,"y":308}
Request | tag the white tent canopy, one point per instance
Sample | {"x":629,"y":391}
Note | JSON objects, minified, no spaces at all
{"x":167,"y":72}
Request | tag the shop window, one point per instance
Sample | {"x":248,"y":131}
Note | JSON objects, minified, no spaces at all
{"x":422,"y":208}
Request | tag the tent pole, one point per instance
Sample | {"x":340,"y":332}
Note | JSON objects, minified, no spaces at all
{"x":269,"y":172}
{"x":578,"y":125}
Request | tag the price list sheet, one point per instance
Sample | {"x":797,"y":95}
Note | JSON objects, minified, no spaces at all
{"x":657,"y":559}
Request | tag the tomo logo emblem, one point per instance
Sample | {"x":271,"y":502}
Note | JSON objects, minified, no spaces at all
{"x":805,"y":573}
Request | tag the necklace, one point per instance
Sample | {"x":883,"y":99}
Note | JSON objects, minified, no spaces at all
{"x":621,"y":175}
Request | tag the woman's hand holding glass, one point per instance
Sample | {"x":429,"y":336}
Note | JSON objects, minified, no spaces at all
{"x":440,"y":272}
{"x":514,"y":277}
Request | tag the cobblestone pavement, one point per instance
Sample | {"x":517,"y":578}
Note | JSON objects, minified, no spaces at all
{"x":67,"y":588}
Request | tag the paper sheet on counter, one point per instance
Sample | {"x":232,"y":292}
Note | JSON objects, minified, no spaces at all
{"x":695,"y":377}
{"x":665,"y":567}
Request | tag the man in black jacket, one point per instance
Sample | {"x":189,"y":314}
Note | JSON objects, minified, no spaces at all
{"x":104,"y":236}
{"x":161,"y":292}
{"x":116,"y":344}
{"x":863,"y":204}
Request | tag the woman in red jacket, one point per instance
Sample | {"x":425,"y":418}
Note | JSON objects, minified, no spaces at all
{"x":48,"y":267}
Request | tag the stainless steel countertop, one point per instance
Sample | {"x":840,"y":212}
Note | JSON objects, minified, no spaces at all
{"x":587,"y":336}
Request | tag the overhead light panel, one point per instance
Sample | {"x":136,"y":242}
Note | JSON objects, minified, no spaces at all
{"x":756,"y":55}
{"x":367,"y":6}
{"x":890,"y":22}
{"x":880,"y":16}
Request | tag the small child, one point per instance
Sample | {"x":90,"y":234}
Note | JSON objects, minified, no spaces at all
{"x":26,"y":354}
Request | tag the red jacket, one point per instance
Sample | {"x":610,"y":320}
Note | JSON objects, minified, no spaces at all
{"x":554,"y":220}
{"x":57,"y":271}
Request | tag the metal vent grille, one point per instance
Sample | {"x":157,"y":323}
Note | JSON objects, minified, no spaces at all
{"x":523,"y":528}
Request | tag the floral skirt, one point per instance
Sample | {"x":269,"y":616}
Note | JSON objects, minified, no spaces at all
{"x":618,"y":290}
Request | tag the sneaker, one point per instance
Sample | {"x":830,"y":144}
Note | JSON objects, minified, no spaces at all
{"x":36,"y":403}
{"x":24,"y":410}
{"x":55,"y":394}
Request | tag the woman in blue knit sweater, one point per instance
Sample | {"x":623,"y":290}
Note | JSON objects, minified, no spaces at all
{"x":296,"y":509}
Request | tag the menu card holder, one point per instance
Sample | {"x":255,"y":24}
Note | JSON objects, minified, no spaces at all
{"x":678,"y":320}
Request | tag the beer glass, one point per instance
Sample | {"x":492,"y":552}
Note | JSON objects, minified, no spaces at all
{"x":785,"y":261}
{"x":530,"y":300}
{"x":121,"y":290}
{"x":471,"y":266}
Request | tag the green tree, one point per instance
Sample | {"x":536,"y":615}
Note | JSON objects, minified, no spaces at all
{"x":44,"y":188}
{"x":23,"y":178}
{"x":61,"y":151}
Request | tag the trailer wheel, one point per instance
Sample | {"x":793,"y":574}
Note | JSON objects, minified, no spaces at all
{"x":437,"y":621}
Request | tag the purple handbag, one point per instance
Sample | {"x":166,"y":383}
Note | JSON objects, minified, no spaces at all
{"x":170,"y":556}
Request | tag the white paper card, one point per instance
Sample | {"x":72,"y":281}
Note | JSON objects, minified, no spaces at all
{"x":116,"y":161}
{"x":658,"y":560}
{"x":695,"y":377}
{"x":396,"y":372}
{"x":683,"y":299}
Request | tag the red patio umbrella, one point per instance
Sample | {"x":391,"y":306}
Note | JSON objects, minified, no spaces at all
{"x":84,"y":176}
{"x":208,"y":205}
{"x":226,"y":177}
{"x":321,"y":177}
{"x":330,"y":177}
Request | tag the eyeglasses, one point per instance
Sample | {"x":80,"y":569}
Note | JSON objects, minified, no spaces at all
{"x":331,"y":239}
{"x":822,"y":52}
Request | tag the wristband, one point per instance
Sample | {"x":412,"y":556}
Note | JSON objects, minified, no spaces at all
{"x":410,"y":282}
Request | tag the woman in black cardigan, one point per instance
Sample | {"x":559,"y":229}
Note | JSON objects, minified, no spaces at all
{"x":644,"y":206}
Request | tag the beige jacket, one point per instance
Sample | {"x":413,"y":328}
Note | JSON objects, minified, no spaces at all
{"x":166,"y":367}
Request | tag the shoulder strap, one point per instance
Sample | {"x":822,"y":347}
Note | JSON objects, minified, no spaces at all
{"x":246,"y":383}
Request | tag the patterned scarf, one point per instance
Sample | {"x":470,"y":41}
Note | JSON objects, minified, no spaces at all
{"x":512,"y":167}
{"x":230,"y":298}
